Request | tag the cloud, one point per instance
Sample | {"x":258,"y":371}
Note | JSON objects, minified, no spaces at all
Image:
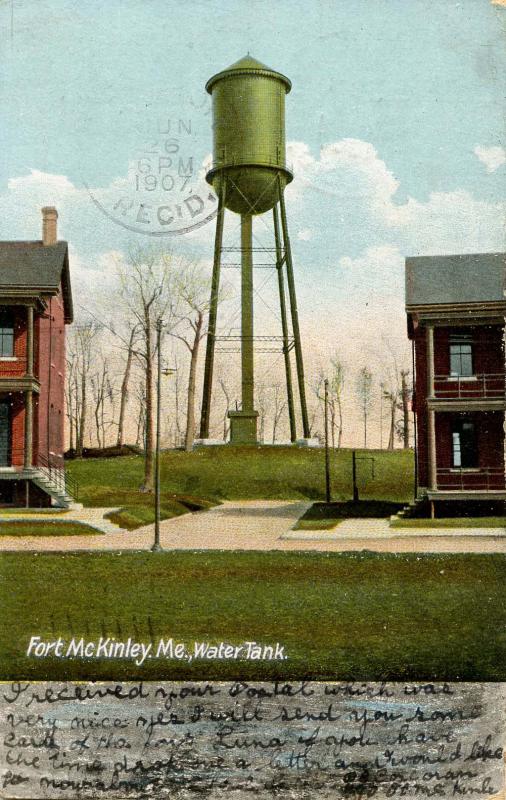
{"x":98,"y":218}
{"x":345,"y":201}
{"x":52,"y":187}
{"x":493,"y":157}
{"x":349,"y":195}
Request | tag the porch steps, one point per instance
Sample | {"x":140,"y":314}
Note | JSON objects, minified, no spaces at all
{"x":411,"y":510}
{"x":57,"y":491}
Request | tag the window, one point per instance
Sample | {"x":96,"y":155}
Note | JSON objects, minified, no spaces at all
{"x":6,"y":333}
{"x":464,"y":447}
{"x":461,"y":356}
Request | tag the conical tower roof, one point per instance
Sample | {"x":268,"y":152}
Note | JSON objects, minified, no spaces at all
{"x":248,"y":66}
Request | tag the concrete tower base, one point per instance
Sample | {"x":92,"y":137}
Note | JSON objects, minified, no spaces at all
{"x":243,"y":427}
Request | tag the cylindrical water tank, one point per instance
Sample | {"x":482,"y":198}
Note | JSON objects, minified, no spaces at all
{"x":249,"y":135}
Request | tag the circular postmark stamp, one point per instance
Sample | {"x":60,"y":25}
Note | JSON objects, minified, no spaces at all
{"x":165,"y":192}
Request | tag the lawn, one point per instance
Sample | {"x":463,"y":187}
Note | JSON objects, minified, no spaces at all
{"x":450,"y":522}
{"x":361,"y":616}
{"x":46,"y":528}
{"x":208,"y":475}
{"x":325,"y":516}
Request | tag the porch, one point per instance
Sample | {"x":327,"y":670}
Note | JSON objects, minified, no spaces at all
{"x":487,"y":386}
{"x":44,"y":483}
{"x":466,"y":456}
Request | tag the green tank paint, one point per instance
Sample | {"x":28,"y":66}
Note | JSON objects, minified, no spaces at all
{"x":249,"y":150}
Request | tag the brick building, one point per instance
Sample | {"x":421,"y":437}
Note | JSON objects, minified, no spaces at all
{"x":456,"y":307}
{"x":35,"y":307}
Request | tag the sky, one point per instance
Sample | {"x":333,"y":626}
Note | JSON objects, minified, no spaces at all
{"x":395,"y":131}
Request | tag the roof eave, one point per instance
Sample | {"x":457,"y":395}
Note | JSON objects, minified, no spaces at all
{"x":68,"y":304}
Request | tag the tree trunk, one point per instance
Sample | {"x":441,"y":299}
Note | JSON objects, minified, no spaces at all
{"x":393,"y":406}
{"x":225,"y":416}
{"x":332,"y":408}
{"x":70,"y":414}
{"x":278,"y":412}
{"x":140,"y":419}
{"x":82,"y":421}
{"x":77,"y":412}
{"x":71,"y":431}
{"x":124,"y":389}
{"x":178,"y":436}
{"x":190,"y":407}
{"x":340,"y":416}
{"x":147,"y":485}
{"x":97,"y":421}
{"x":405,"y":410}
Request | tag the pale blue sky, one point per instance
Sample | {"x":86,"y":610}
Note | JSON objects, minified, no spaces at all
{"x":421,"y":80}
{"x":390,"y":100}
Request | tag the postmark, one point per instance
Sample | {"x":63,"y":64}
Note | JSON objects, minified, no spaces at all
{"x":164,"y":191}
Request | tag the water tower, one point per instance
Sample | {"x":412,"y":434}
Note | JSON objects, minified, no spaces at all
{"x":249,"y":176}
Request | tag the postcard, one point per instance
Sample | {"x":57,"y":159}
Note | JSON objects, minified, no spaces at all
{"x":252,"y":399}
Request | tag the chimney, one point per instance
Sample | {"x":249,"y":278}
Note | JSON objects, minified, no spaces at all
{"x":49,"y":217}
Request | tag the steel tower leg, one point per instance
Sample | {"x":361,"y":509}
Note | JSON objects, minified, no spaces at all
{"x":243,"y":423}
{"x":295,"y":317}
{"x":247,"y":365}
{"x":213,"y":313}
{"x":284,"y":326}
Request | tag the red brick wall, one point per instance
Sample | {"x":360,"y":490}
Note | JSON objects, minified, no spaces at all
{"x":421,"y":405}
{"x":50,"y":359}
{"x":17,"y":428}
{"x":490,"y":438}
{"x":488,"y":358}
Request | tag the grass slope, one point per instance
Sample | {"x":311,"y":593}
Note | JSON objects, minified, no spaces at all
{"x":46,"y":528}
{"x":359,"y":616}
{"x":208,"y":475}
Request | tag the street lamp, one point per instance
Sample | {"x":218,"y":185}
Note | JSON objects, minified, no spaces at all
{"x":167,"y":371}
{"x":327,"y":454}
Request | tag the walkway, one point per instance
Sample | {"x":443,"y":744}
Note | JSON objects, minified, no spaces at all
{"x":94,"y":517}
{"x":266,"y":525}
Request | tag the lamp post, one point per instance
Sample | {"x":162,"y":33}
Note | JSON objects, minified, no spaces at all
{"x":159,"y":326}
{"x":327,"y":454}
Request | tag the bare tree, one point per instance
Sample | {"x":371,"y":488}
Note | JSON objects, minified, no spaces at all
{"x":192,"y":289}
{"x":140,"y":392}
{"x":262,"y":407}
{"x":334,"y":394}
{"x":391,"y":395}
{"x":279,"y":406}
{"x":336,"y":387}
{"x":102,"y":392}
{"x":177,"y":428}
{"x":364,"y":394}
{"x":71,"y":393}
{"x":84,"y":337}
{"x":395,"y":391}
{"x":125,"y":384}
{"x":146,"y":291}
{"x":226,"y":422}
{"x":405,"y":392}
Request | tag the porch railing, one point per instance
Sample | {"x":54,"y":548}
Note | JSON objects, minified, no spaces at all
{"x":482,"y":479}
{"x":53,"y":468}
{"x":486,"y":385}
{"x":12,"y":367}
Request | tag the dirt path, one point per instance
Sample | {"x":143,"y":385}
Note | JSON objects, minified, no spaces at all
{"x":266,"y":525}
